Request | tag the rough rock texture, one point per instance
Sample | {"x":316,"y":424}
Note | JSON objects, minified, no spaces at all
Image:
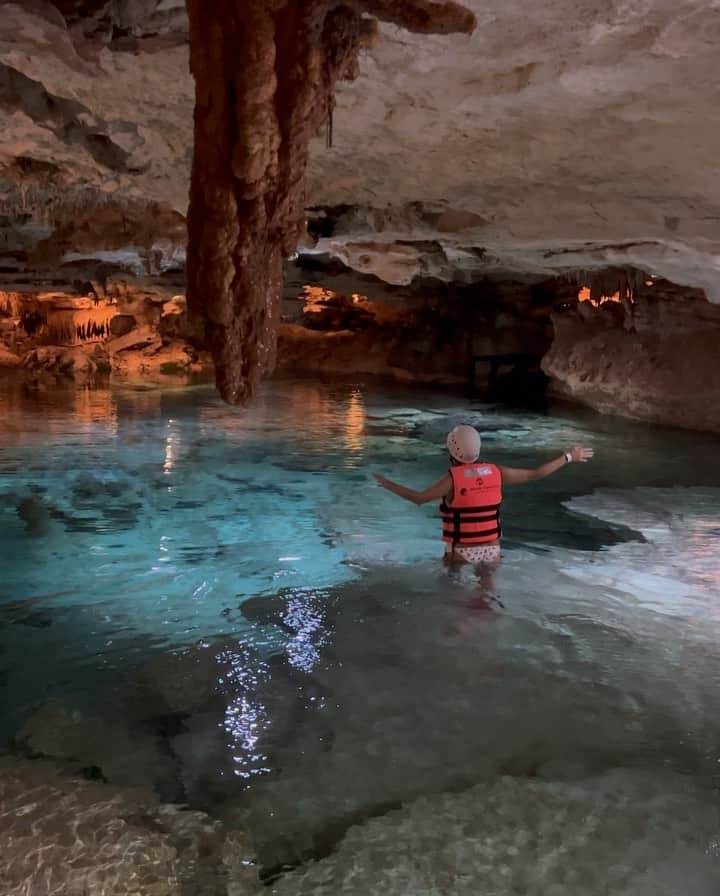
{"x":83,"y":740}
{"x":253,"y":126}
{"x":60,"y":837}
{"x":563,"y":135}
{"x":622,"y":833}
{"x":125,"y":328}
{"x":549,"y":130}
{"x":8,"y":359}
{"x":656,"y":359}
{"x":428,"y":333}
{"x":73,"y":96}
{"x":81,"y":364}
{"x":570,"y":135}
{"x":182,"y":682}
{"x":488,"y":336}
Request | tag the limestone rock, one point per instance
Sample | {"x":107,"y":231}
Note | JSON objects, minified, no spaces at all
{"x":62,"y":837}
{"x":139,"y":337}
{"x":33,"y":511}
{"x":623,"y":832}
{"x":122,"y":324}
{"x":379,"y":354}
{"x":452,"y":157}
{"x":158,"y":362}
{"x":174,"y":322}
{"x":80,"y":363}
{"x":8,"y":358}
{"x":428,"y":335}
{"x":82,"y":740}
{"x":429,"y":143}
{"x":148,"y":338}
{"x":659,"y":364}
{"x":185,"y":681}
{"x":77,"y":838}
{"x":206,"y":763}
{"x":176,"y":305}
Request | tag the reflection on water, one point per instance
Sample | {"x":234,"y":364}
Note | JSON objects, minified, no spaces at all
{"x":219,"y":604}
{"x":27,"y":413}
{"x":245,"y":718}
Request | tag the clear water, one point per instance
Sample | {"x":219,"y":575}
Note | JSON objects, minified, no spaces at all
{"x":221,"y":605}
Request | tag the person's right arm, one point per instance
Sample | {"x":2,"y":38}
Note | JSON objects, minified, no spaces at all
{"x":433,"y":493}
{"x":517,"y":476}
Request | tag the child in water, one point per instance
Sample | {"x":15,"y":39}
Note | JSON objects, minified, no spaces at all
{"x":471,"y":495}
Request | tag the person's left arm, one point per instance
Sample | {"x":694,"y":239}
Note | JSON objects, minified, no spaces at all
{"x":433,"y":493}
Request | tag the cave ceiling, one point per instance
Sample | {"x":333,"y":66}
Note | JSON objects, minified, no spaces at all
{"x":559,"y":136}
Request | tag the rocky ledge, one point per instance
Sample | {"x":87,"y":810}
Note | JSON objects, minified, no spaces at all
{"x":628,"y":343}
{"x":131,"y":331}
{"x":71,"y":837}
{"x":653,"y":358}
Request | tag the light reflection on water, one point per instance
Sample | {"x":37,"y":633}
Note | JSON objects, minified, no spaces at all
{"x":245,"y":719}
{"x":342,"y":666}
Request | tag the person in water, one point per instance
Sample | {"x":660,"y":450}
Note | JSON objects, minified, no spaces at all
{"x":471,"y":495}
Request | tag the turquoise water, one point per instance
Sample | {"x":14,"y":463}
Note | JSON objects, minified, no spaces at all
{"x":221,"y":605}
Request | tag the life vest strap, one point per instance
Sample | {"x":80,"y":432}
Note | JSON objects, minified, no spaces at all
{"x":458,"y":518}
{"x":465,"y":510}
{"x":482,"y":518}
{"x":471,"y":537}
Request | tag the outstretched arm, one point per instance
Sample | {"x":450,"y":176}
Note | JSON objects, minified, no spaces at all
{"x":576,"y":454}
{"x":434,"y":493}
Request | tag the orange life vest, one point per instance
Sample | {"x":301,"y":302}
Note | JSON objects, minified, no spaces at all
{"x":473,"y":515}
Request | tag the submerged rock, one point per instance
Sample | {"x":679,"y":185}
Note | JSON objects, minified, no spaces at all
{"x":625,"y":832}
{"x":87,"y":486}
{"x":63,"y":837}
{"x":265,"y":609}
{"x":84,"y":740}
{"x":182,"y":682}
{"x":206,"y":763}
{"x":35,"y":514}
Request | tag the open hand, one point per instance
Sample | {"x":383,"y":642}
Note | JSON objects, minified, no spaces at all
{"x":581,"y":454}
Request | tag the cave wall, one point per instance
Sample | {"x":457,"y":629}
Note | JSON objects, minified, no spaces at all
{"x":333,"y":324}
{"x":132,"y":331}
{"x":652,"y":358}
{"x":487,"y":337}
{"x":657,"y":359}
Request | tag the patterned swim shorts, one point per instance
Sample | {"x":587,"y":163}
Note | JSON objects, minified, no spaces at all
{"x":477,"y":553}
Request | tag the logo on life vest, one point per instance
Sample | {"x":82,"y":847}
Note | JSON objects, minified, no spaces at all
{"x":477,"y":471}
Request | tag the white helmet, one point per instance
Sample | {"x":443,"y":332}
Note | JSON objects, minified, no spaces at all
{"x":463,"y":443}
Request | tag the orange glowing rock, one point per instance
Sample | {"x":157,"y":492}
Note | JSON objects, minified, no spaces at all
{"x":585,"y":296}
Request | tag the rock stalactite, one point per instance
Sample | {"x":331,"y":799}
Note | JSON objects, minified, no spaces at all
{"x":625,"y":282}
{"x":265,"y":72}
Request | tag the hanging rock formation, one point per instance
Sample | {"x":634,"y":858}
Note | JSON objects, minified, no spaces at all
{"x":560,"y":137}
{"x":265,"y":72}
